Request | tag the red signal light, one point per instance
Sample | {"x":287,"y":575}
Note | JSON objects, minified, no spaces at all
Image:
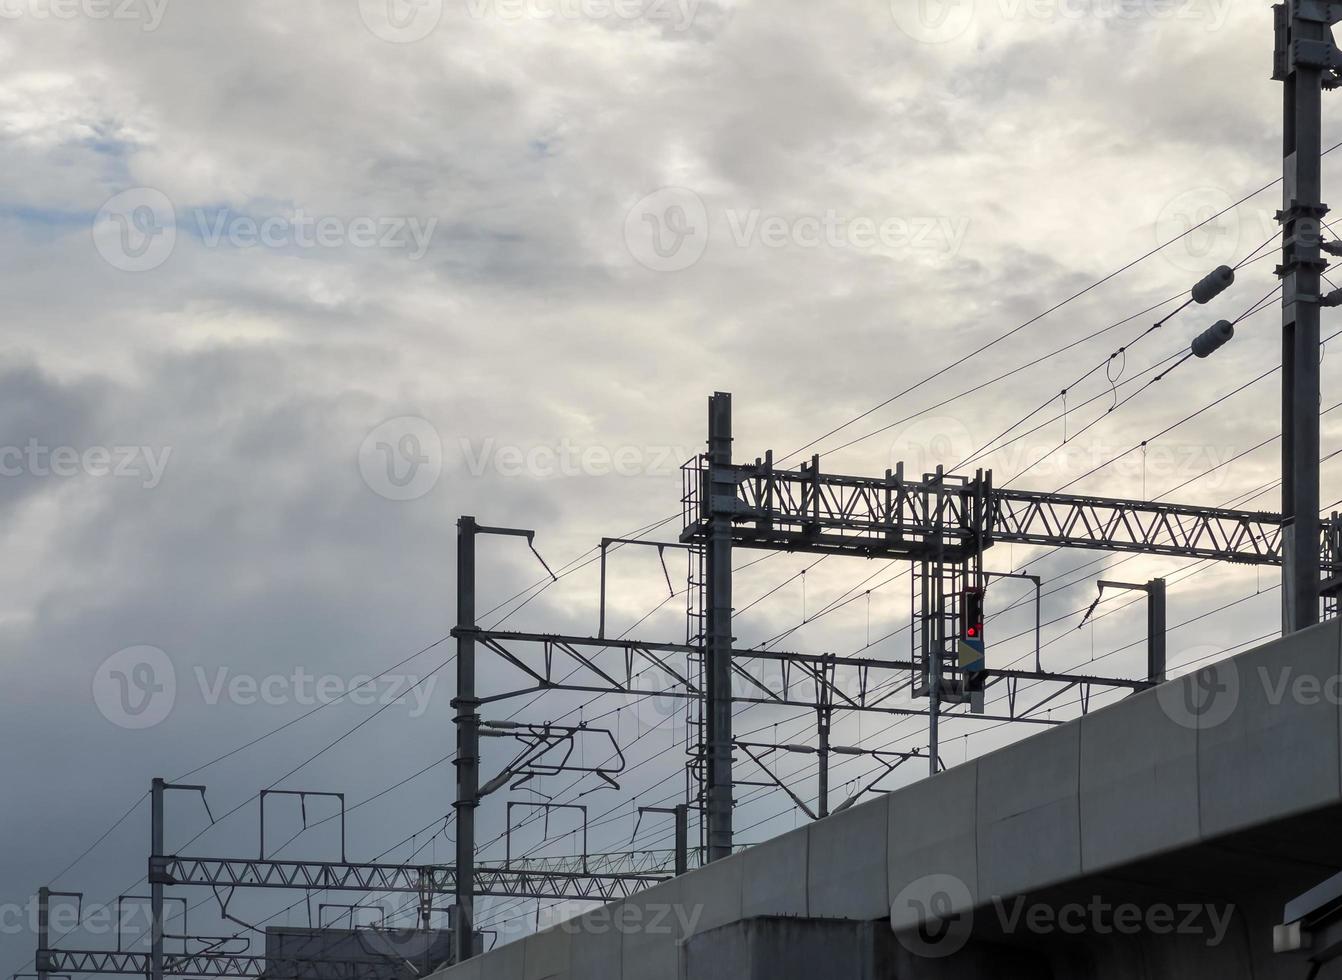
{"x":971,"y":613}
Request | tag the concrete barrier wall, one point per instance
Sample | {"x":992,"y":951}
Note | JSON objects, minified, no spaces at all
{"x":1237,"y":745}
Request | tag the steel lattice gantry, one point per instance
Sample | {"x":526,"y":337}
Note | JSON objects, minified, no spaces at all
{"x":591,"y":878}
{"x":230,"y":965}
{"x":943,"y":523}
{"x":532,"y":882}
{"x":211,"y":960}
{"x":894,"y":517}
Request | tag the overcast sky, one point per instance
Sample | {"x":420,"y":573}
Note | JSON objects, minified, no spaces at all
{"x":288,"y":287}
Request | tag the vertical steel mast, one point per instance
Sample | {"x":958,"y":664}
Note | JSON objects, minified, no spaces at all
{"x":467,"y":719}
{"x":1305,"y":60}
{"x":721,"y":500}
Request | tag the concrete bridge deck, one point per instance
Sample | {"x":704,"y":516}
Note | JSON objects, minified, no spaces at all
{"x":1157,"y":837}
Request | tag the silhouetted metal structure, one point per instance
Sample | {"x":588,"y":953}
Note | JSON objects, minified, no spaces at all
{"x":1306,"y":61}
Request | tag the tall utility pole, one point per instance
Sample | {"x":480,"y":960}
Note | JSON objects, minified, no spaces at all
{"x":467,"y":708}
{"x":466,"y":719}
{"x":934,"y":644}
{"x":1305,"y":55}
{"x":823,"y":723}
{"x":43,"y":930}
{"x":156,"y":841}
{"x":721,"y":499}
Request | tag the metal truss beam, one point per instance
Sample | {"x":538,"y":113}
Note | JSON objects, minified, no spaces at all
{"x":1179,"y":530}
{"x":530,"y":882}
{"x":892,"y":517}
{"x":623,"y":863}
{"x":75,"y":961}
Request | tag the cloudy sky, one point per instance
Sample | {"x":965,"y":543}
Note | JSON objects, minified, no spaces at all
{"x":288,"y":287}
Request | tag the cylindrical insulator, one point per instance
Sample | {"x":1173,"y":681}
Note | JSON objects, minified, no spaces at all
{"x":1214,"y":338}
{"x":1215,"y":283}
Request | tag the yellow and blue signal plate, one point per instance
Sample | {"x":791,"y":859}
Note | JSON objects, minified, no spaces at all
{"x":971,"y":654}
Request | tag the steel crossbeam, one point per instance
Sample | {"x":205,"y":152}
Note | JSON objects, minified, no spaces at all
{"x":530,"y":882}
